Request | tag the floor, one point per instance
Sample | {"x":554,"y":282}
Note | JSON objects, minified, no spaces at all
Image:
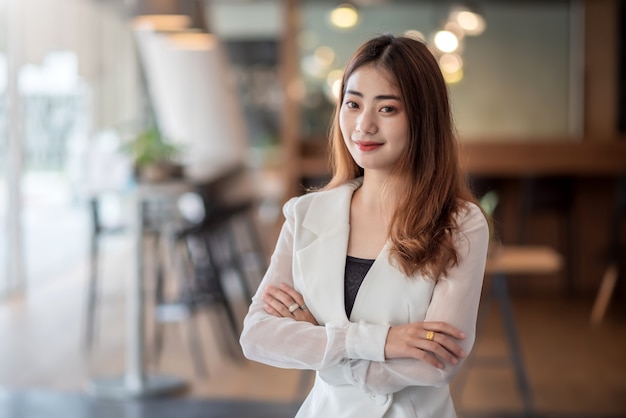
{"x":575,"y":370}
{"x":48,"y":404}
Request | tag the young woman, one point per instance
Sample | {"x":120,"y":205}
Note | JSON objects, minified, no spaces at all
{"x":375,"y":280}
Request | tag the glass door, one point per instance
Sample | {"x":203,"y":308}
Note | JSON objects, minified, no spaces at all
{"x":75,"y":76}
{"x":4,"y":199}
{"x":10,"y":231}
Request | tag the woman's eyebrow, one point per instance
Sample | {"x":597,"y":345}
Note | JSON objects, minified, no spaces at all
{"x":387,"y":97}
{"x":354,"y":93}
{"x":379,"y":97}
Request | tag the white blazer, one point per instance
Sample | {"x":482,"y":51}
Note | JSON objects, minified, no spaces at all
{"x":353,"y":378}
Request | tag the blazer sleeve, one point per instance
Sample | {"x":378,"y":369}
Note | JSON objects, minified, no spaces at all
{"x":287,"y":343}
{"x":455,"y":301}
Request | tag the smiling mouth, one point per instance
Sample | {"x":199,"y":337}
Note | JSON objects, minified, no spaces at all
{"x":368,"y":146}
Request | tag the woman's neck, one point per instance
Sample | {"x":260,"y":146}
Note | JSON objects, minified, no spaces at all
{"x":376,"y":193}
{"x":370,"y":214}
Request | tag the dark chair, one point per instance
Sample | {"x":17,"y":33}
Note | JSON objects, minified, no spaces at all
{"x":206,"y":256}
{"x":504,"y":263}
{"x":481,"y":185}
{"x":616,"y":255}
{"x":551,"y":195}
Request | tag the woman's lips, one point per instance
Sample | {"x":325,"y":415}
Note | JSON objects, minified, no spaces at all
{"x":367,"y":146}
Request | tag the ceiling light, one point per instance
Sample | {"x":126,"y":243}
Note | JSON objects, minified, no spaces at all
{"x":415,"y":34}
{"x":453,"y":78}
{"x":446,"y":41}
{"x":472,"y":22}
{"x":325,"y":56}
{"x":450,"y":63}
{"x":162,"y":22}
{"x":344,"y":16}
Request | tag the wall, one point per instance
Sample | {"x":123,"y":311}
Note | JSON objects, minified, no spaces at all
{"x":516,"y":80}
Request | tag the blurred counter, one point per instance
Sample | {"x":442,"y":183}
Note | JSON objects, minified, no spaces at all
{"x":506,"y":158}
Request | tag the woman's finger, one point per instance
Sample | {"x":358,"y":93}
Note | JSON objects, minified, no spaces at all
{"x":280,"y":308}
{"x":444,"y":328}
{"x":440,"y":352}
{"x":449,"y":344}
{"x":286,"y":302}
{"x":277,"y":300}
{"x":302,"y":313}
{"x":425,"y":356}
{"x":270,"y":310}
{"x":419,"y":340}
{"x":281,"y":296}
{"x":268,"y":296}
{"x":293,"y":300}
{"x":293,"y":293}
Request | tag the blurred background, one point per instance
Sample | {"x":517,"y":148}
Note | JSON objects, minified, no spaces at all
{"x":147,"y":146}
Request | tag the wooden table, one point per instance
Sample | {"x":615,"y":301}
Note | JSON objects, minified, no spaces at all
{"x":523,"y":259}
{"x":505,"y":261}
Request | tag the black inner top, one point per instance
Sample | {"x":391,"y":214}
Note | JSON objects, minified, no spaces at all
{"x":356,"y":269}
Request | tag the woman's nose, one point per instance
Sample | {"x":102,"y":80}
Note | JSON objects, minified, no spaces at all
{"x":365,"y":123}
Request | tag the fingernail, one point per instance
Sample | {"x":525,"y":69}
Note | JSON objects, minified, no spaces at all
{"x":462,"y":335}
{"x":462,"y":353}
{"x":454,"y":361}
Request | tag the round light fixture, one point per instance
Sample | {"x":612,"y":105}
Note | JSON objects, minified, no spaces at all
{"x":446,"y":41}
{"x":324,"y":55}
{"x":453,"y":78}
{"x":450,"y":63}
{"x":344,"y":16}
{"x":415,"y":34}
{"x":472,"y":23}
{"x":333,"y":85}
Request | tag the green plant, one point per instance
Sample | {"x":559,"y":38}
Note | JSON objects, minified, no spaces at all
{"x":149,"y":147}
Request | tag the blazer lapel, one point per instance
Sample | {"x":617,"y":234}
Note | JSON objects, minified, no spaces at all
{"x":322,"y":261}
{"x":388,"y":296}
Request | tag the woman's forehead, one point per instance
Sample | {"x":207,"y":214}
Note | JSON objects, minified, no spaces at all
{"x":371,"y":77}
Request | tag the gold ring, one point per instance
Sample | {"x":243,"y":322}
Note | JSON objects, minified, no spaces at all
{"x":293,"y":307}
{"x":430,"y":335}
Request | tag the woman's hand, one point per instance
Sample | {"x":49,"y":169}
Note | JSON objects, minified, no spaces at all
{"x":285,"y":302}
{"x":432,"y":342}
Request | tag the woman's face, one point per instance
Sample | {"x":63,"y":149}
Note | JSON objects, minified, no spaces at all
{"x":373,"y":120}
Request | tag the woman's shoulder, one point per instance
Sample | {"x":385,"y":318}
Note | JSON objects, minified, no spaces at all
{"x":303,"y":202}
{"x":470,"y":215}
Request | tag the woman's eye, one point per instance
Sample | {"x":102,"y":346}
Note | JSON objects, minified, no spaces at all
{"x":351,"y":105}
{"x":387,"y":109}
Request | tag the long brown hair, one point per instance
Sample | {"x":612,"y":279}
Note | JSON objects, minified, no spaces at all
{"x":428,"y":182}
